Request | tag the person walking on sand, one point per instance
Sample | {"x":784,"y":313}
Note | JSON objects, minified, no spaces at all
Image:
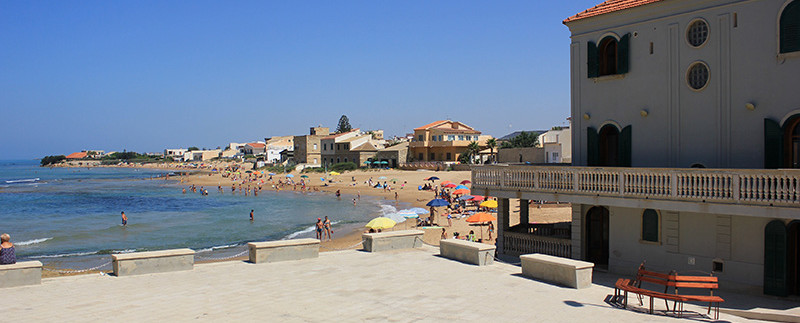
{"x":319,"y":229}
{"x":124,"y":219}
{"x":327,"y":225}
{"x":251,"y":215}
{"x":444,"y":234}
{"x":491,"y":229}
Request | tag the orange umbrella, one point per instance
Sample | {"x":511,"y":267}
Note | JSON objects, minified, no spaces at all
{"x":446,"y":182}
{"x":451,"y":185}
{"x":481,"y":217}
{"x":461,"y":191}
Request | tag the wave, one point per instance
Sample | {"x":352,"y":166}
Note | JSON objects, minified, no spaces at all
{"x":86,"y":253}
{"x":19,"y":181}
{"x":30,"y":242}
{"x":306,"y":230}
{"x":219,"y":247}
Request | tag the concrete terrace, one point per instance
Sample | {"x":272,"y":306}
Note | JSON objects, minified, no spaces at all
{"x":401,"y":286}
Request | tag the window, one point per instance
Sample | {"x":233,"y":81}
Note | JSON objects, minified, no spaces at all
{"x":790,"y":28}
{"x":460,"y":137}
{"x":650,"y":225}
{"x":451,"y":137}
{"x":421,"y":156}
{"x":432,"y":156}
{"x":420,"y":138}
{"x":697,"y":76}
{"x":697,"y":34}
{"x":435,"y":138}
{"x":315,"y":161}
{"x":315,"y":148}
{"x":610,"y":57}
{"x":449,"y":156}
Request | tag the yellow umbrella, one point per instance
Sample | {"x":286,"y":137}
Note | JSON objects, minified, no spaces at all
{"x":335,"y":173}
{"x":490,"y":204}
{"x":381,"y":223}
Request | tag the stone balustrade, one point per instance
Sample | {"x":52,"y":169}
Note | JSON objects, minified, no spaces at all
{"x":392,"y":240}
{"x":148,"y":262}
{"x":283,"y":250}
{"x":727,"y":186}
{"x":21,"y":274}
{"x":558,"y":270}
{"x":475,"y":253}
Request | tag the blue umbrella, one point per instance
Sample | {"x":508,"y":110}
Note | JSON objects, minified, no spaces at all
{"x":382,"y":177}
{"x":408,"y":214}
{"x":465,"y":197}
{"x":322,"y":179}
{"x":271,"y":174}
{"x":384,"y":162}
{"x":290,"y":175}
{"x":438,"y":202}
{"x":461,"y":186}
{"x":432,"y":178}
{"x":417,"y":210}
{"x":367,"y":162}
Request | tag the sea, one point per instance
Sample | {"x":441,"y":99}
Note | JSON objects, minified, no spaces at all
{"x":70,"y":217}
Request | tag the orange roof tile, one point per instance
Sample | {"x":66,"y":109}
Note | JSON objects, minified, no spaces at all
{"x":431,"y":125}
{"x":256,"y":145}
{"x":608,"y":7}
{"x":77,"y":155}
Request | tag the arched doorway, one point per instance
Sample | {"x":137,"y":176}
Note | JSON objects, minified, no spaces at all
{"x":609,"y":145}
{"x":792,"y":142}
{"x":775,"y":252}
{"x":597,"y":223}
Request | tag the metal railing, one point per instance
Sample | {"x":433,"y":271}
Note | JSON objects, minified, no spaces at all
{"x":732,"y":186}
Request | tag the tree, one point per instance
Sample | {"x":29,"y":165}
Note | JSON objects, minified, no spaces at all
{"x":492,"y":144}
{"x":473,"y":150}
{"x":524,"y":139}
{"x":193,"y":148}
{"x":344,"y":125}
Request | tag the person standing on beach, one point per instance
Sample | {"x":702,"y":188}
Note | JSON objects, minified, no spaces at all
{"x":124,"y":219}
{"x":319,"y":229}
{"x":327,"y":225}
{"x":251,"y":215}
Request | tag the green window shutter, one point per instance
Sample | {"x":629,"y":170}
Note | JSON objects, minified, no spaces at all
{"x":625,"y":142}
{"x":650,"y":225}
{"x":623,"y":50}
{"x":773,"y":144}
{"x":775,"y":259}
{"x":790,"y":28}
{"x":592,"y":64}
{"x":592,"y":147}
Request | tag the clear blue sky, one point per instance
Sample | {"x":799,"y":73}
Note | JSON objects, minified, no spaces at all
{"x":144,"y":76}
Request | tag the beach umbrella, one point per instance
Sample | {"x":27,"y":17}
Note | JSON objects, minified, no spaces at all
{"x":438,"y":202}
{"x":383,"y":162}
{"x":335,"y":173}
{"x":461,"y":191}
{"x":477,"y":198}
{"x":271,"y":174}
{"x":367,"y":162}
{"x":304,"y":176}
{"x":432,"y":178}
{"x":466,"y":198}
{"x":461,"y":187}
{"x":322,"y":179}
{"x":446,"y":182}
{"x":481,"y":217}
{"x":451,"y":185}
{"x":249,"y":171}
{"x":408,"y":214}
{"x":289,"y":175}
{"x":417,"y":210}
{"x":466,"y":182}
{"x":382,"y":177}
{"x":396,"y":217}
{"x":381,"y":223}
{"x":490,"y":204}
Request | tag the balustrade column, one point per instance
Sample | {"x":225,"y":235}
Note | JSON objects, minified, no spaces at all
{"x":502,"y":223}
{"x":523,"y":213}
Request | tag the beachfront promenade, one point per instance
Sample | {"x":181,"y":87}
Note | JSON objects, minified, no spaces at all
{"x":398,"y":286}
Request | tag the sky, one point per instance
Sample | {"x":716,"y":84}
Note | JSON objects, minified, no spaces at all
{"x":148,"y":75}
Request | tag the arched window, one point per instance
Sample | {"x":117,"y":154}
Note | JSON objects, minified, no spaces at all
{"x":607,"y":56}
{"x":792,"y":139}
{"x":609,"y":146}
{"x":790,"y":28}
{"x":650,"y":223}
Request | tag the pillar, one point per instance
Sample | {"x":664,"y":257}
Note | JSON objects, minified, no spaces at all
{"x":523,"y":213}
{"x":502,"y":222}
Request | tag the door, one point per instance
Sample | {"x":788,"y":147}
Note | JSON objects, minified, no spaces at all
{"x":793,"y":258}
{"x":775,"y":243}
{"x":609,"y":146}
{"x":597,"y":236}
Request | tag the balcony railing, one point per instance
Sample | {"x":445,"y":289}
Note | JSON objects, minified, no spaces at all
{"x":732,"y":186}
{"x":515,"y":243}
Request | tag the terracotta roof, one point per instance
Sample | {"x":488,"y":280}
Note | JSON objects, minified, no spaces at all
{"x":77,"y":155}
{"x":256,"y":145}
{"x":609,"y":6}
{"x":432,"y":124}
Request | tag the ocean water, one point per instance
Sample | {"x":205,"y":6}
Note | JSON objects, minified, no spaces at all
{"x":63,"y":215}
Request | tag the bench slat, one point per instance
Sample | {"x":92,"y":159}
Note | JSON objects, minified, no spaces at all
{"x":708,"y":279}
{"x":695,"y":285}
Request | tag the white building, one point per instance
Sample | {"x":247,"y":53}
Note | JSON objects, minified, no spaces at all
{"x":557,"y":144}
{"x":276,"y":145}
{"x":175,"y":153}
{"x":671,"y":87}
{"x":201,"y":155}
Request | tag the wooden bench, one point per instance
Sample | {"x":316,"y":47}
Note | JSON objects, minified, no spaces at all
{"x":148,"y":262}
{"x":21,"y":274}
{"x":282,"y":250}
{"x":677,"y":282}
{"x":392,"y":240}
{"x":564,"y":271}
{"x":467,"y":251}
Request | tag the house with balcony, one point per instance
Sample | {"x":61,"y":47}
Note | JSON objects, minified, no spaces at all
{"x":685,"y":144}
{"x":353,"y":146}
{"x":443,"y":141}
{"x":307,"y":148}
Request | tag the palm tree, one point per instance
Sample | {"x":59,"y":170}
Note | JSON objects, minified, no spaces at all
{"x":474,"y":149}
{"x":492,"y":144}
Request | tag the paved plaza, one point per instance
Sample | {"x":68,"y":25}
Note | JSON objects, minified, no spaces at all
{"x":351,"y":286}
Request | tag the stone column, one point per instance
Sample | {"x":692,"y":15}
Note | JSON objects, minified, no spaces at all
{"x":523,"y":213}
{"x":502,"y":222}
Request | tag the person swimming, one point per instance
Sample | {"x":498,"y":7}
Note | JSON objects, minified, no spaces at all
{"x":124,"y":219}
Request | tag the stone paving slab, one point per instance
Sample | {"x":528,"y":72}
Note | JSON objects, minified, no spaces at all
{"x":396,"y":286}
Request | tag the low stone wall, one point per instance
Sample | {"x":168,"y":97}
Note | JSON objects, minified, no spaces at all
{"x":392,"y":240}
{"x":282,"y":250}
{"x":21,"y":274}
{"x":562,"y":271}
{"x":138,"y":263}
{"x":475,"y":253}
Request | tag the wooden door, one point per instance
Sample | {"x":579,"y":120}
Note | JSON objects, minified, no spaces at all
{"x":597,"y":236}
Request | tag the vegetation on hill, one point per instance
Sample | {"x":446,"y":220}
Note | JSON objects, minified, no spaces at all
{"x":49,"y":160}
{"x":523,"y":140}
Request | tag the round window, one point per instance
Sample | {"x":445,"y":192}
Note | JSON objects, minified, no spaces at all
{"x":697,"y":77}
{"x":697,"y":33}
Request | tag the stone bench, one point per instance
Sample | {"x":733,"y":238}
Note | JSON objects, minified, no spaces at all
{"x":21,"y":274}
{"x":467,"y":251}
{"x":282,"y":250}
{"x":563,"y":271}
{"x":392,"y":240}
{"x":148,"y":262}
